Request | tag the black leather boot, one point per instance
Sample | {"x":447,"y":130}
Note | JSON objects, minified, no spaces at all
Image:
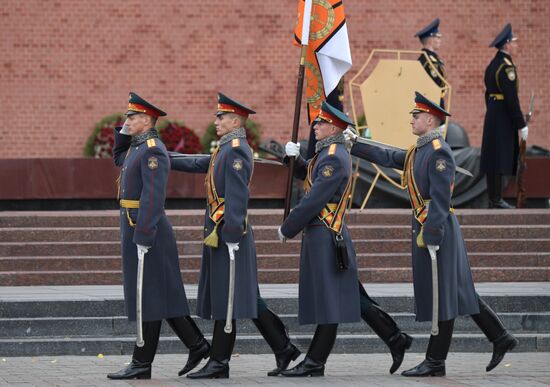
{"x":142,"y":359}
{"x":283,"y":359}
{"x":190,"y":334}
{"x":274,"y":332}
{"x":196,"y":354}
{"x":428,"y":367}
{"x":317,"y":355}
{"x":500,"y":346}
{"x":489,"y":323}
{"x":214,"y":369}
{"x":494,"y":189}
{"x":135,"y":370}
{"x":308,"y":367}
{"x":385,"y":327}
{"x":398,"y":345}
{"x":438,"y":348}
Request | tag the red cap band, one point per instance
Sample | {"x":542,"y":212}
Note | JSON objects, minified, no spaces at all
{"x":325,"y":116}
{"x":142,"y":109}
{"x":232,"y":109}
{"x":428,"y":109}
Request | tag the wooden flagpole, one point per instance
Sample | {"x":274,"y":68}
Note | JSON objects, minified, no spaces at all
{"x":298,"y":101}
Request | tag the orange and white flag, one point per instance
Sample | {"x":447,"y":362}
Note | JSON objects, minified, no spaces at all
{"x":321,"y":26}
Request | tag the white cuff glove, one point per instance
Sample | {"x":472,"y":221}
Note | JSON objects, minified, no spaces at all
{"x":292,"y":149}
{"x":142,"y":249}
{"x":524,"y":133}
{"x":124,"y":129}
{"x":350,"y":135}
{"x":280,"y":234}
{"x":232,"y":246}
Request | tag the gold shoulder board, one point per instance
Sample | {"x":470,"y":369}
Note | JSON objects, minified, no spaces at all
{"x":332,"y":149}
{"x":508,"y":62}
{"x":151,"y":142}
{"x":235,"y":142}
{"x":433,"y":58}
{"x":436,"y":144}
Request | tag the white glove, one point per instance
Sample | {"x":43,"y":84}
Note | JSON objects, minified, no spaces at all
{"x":350,"y":135}
{"x":280,"y":234}
{"x":433,"y":248}
{"x":124,"y":129}
{"x":143,"y":249}
{"x":524,"y":133}
{"x":232,"y":246}
{"x":292,"y":149}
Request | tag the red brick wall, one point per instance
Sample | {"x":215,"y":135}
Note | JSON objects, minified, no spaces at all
{"x":65,"y":64}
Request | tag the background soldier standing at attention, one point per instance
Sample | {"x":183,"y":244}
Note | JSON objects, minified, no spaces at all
{"x":500,"y":145}
{"x":228,"y":173}
{"x":430,"y":37}
{"x":428,"y":174}
{"x":144,"y":226}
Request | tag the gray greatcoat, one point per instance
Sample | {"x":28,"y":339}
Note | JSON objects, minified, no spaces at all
{"x":144,"y":175}
{"x":232,"y":173}
{"x":326,"y":295}
{"x":434,"y":170}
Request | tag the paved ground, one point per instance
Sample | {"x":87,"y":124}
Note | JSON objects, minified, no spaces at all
{"x":463,"y":369}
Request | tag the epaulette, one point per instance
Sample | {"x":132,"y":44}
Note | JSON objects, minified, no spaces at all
{"x":151,"y":143}
{"x":436,"y":144}
{"x":236,"y":142}
{"x":433,"y":58}
{"x":508,"y":62}
{"x":332,"y":149}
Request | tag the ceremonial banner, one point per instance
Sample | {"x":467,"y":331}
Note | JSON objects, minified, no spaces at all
{"x":328,"y":55}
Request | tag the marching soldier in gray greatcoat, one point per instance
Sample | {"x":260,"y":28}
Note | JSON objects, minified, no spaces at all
{"x":428,"y":174}
{"x":430,"y":38}
{"x":228,"y":173}
{"x":504,"y":118}
{"x":331,"y":181}
{"x":144,"y":226}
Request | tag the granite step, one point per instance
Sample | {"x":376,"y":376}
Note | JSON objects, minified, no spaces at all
{"x":183,"y":233}
{"x":264,"y":261}
{"x":345,"y":343}
{"x":89,"y":320}
{"x":10,"y":249}
{"x":116,"y":326}
{"x":260,"y":217}
{"x":275,"y":276}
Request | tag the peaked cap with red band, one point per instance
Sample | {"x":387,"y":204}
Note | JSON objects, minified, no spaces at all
{"x":227,"y":105}
{"x":136,"y":105}
{"x":423,"y":104}
{"x":333,"y":116}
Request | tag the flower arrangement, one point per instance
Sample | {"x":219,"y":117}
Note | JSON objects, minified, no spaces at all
{"x":175,"y":135}
{"x":178,"y":138}
{"x":252,"y":136}
{"x":100,"y":142}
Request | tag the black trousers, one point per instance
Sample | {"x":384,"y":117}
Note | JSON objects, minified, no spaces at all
{"x":322,"y":343}
{"x":184,"y":327}
{"x":268,"y":323}
{"x":380,"y":322}
{"x":487,"y":320}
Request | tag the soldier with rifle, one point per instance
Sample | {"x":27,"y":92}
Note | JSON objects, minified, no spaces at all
{"x":228,"y":285}
{"x":153,"y":289}
{"x":442,"y":279}
{"x":504,"y":118}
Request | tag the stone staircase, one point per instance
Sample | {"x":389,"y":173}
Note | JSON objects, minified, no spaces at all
{"x":88,"y":320}
{"x":83,"y":248}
